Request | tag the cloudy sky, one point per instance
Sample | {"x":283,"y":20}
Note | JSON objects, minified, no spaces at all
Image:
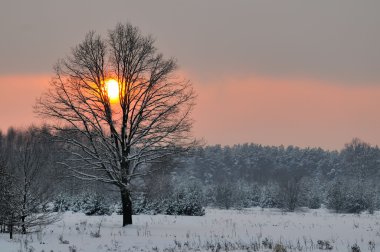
{"x":303,"y":73}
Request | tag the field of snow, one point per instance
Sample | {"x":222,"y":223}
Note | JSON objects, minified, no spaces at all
{"x":219,"y":230}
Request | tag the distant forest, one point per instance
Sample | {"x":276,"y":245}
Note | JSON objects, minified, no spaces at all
{"x":239,"y":176}
{"x":286,"y":177}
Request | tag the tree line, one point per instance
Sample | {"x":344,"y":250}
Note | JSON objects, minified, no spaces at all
{"x":288,"y":177}
{"x":34,"y":182}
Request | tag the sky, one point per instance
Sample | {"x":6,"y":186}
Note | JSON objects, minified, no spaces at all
{"x":303,"y":73}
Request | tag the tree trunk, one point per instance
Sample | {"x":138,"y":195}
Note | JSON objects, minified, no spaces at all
{"x":23,"y":225}
{"x":10,"y":229}
{"x":127,"y":206}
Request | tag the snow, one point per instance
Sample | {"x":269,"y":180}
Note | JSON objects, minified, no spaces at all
{"x":237,"y":229}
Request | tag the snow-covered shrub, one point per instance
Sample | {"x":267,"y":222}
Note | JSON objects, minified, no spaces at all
{"x":87,"y":203}
{"x":351,"y":197}
{"x":354,"y":203}
{"x":186,"y":200}
{"x":138,"y":204}
{"x":116,"y":208}
{"x":77,"y":202}
{"x":224,"y":195}
{"x":279,"y":248}
{"x":324,"y":245}
{"x":371,"y":198}
{"x":236,"y":195}
{"x":310,"y":193}
{"x":267,"y":243}
{"x":209,"y":194}
{"x":314,"y":202}
{"x":61,"y":203}
{"x":336,"y":197}
{"x":371,"y":246}
{"x":289,"y":194}
{"x":355,"y":248}
{"x":143,"y":205}
{"x":94,"y":204}
{"x":157,"y":206}
{"x":47,"y":208}
{"x":254,"y":195}
{"x":245,"y":195}
{"x":270,"y":196}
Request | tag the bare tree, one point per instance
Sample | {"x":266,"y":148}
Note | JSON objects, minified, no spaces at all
{"x":30,"y":164}
{"x":25,"y":185}
{"x":6,"y":195}
{"x":111,"y":142}
{"x":361,"y":160}
{"x":8,"y":199}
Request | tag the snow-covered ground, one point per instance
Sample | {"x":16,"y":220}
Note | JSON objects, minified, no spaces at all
{"x":234,"y":230}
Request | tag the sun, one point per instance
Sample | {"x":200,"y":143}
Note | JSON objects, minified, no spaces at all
{"x":112,"y":88}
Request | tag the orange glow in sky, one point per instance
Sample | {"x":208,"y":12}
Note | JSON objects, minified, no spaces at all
{"x":233,"y":109}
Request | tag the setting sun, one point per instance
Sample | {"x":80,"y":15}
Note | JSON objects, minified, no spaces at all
{"x":112,"y":88}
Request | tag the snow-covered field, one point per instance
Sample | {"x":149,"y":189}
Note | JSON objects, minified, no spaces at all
{"x":219,"y":230}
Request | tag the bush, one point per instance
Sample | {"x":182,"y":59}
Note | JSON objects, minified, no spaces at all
{"x":310,"y":193}
{"x":61,"y":203}
{"x":224,"y":195}
{"x":354,"y":203}
{"x":143,"y":205}
{"x":138,"y":204}
{"x":355,"y":248}
{"x":254,"y":195}
{"x":245,"y":195}
{"x":324,"y":245}
{"x":270,"y":196}
{"x":335,"y":197}
{"x":350,"y":197}
{"x":314,"y":202}
{"x":279,"y":248}
{"x":233,"y":195}
{"x":94,"y":204}
{"x":87,"y":203}
{"x":289,"y":194}
{"x":187,"y":200}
